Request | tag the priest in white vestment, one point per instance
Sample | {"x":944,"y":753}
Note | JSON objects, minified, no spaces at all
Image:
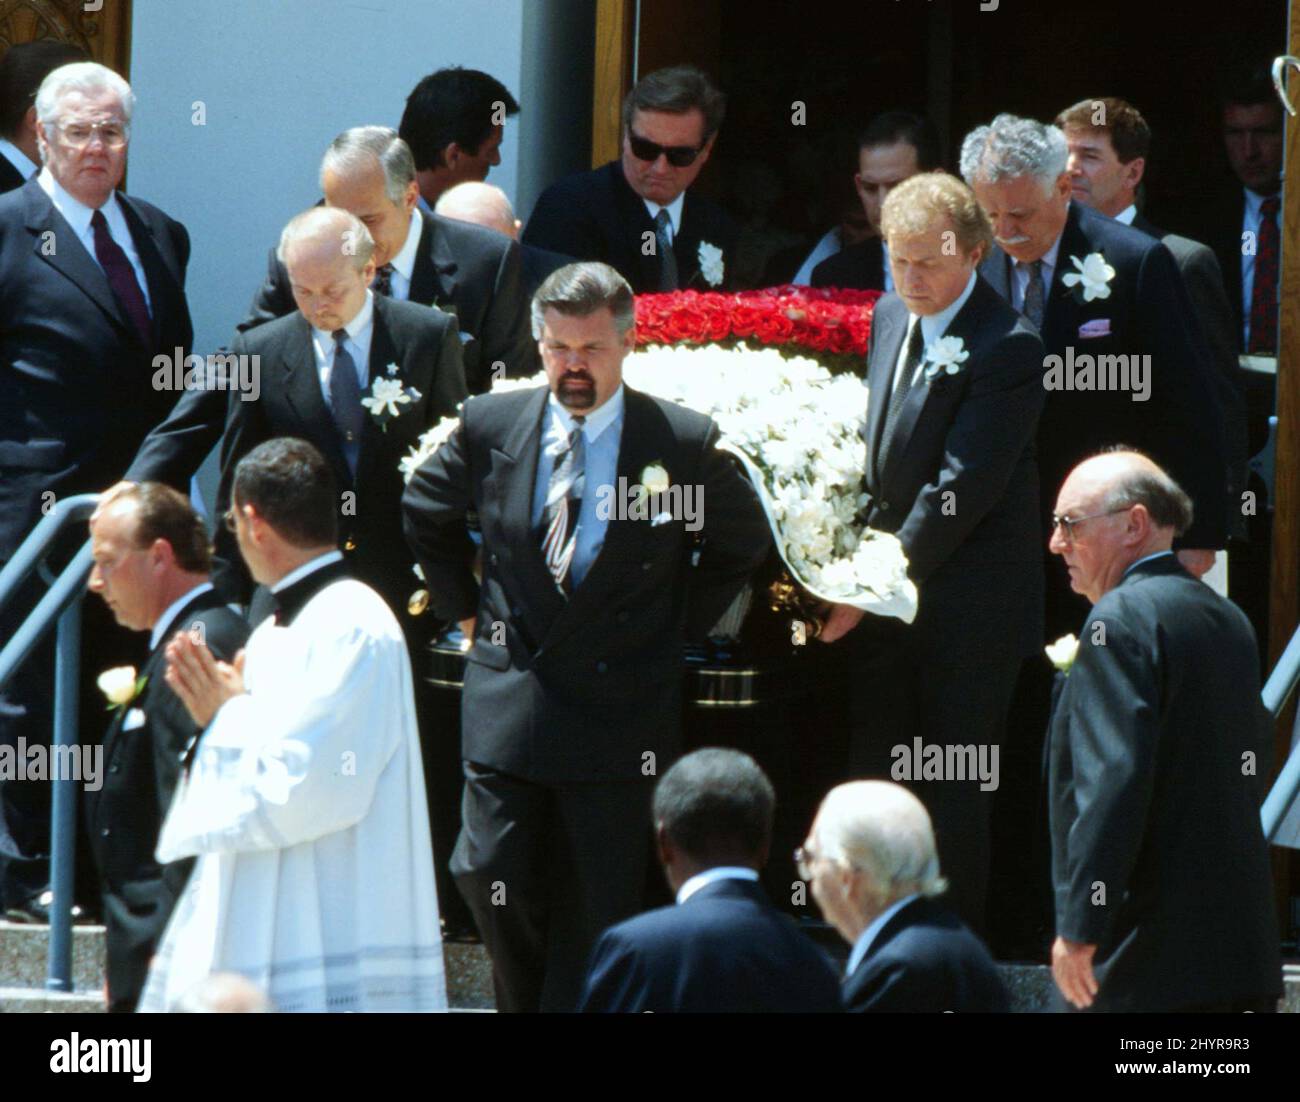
{"x":304,"y":802}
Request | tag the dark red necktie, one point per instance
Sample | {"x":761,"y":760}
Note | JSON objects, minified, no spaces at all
{"x":121,"y":277}
{"x":1263,"y":296}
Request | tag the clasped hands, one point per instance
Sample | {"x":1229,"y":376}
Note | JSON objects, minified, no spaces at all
{"x":202,"y":682}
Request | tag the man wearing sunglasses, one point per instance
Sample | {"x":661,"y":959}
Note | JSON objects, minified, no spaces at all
{"x":635,"y":214}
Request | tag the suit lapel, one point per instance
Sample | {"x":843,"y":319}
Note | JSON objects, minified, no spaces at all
{"x":164,"y":281}
{"x":880,"y":379}
{"x":1061,"y":312}
{"x":374,"y":441}
{"x":633,"y":223}
{"x":303,"y":394}
{"x":433,"y":279}
{"x":996,"y":271}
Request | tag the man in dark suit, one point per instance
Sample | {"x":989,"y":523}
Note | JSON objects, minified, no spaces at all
{"x":636,"y":214}
{"x":1166,"y":404}
{"x":420,"y":257}
{"x":91,"y":289}
{"x":590,"y":587}
{"x":342,"y":326}
{"x":894,"y":146}
{"x":152,"y":560}
{"x":873,"y":870}
{"x":487,"y":205}
{"x":723,"y":948}
{"x":1106,"y":166}
{"x":1159,"y":754}
{"x":23,"y":68}
{"x":955,"y":385}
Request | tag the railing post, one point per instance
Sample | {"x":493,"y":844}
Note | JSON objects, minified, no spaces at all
{"x":63,"y":815}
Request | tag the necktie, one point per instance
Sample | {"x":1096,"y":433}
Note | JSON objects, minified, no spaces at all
{"x":345,"y":400}
{"x":664,"y":246}
{"x":902,"y":387}
{"x":382,"y":284}
{"x":563,"y":502}
{"x":121,"y":277}
{"x":1263,"y":295}
{"x":1033,"y":309}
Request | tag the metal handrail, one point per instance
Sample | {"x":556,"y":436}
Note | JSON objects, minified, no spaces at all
{"x":1277,"y":691}
{"x":62,"y":603}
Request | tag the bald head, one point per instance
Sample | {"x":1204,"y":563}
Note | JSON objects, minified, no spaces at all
{"x":482,"y":204}
{"x":1121,"y":507}
{"x":329,"y":256}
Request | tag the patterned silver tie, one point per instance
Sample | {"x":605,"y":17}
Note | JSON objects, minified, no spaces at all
{"x":563,"y":503}
{"x":668,"y":277}
{"x":1034,"y":292}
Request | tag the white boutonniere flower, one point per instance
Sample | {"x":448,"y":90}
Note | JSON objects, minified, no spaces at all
{"x":1063,"y":652}
{"x":711,"y":265}
{"x":1092,"y":280}
{"x":120,"y":686}
{"x":387,"y":395}
{"x":945,"y":357}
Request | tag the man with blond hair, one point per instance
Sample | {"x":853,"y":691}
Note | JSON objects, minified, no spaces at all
{"x":955,"y":390}
{"x":871,"y":863}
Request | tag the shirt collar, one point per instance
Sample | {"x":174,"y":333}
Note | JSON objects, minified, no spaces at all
{"x":708,"y":876}
{"x":76,"y":212}
{"x":404,"y":261}
{"x":164,"y":622}
{"x":1049,"y":258}
{"x":19,"y":159}
{"x":934,"y":326}
{"x":307,"y":568}
{"x":1254,"y":200}
{"x":674,"y":210}
{"x":1127,"y":214}
{"x":1144,"y":558}
{"x":595,"y":423}
{"x":355,"y":329}
{"x":863,"y":945}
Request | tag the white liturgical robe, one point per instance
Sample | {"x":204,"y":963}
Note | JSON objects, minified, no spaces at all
{"x":305,"y":806}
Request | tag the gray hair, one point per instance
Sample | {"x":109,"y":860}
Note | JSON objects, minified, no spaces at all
{"x":880,"y":828}
{"x":87,"y":77}
{"x":581,"y":289}
{"x":364,"y":147}
{"x":1148,"y":485}
{"x":330,"y":224}
{"x":480,"y":203}
{"x":1010,"y":147}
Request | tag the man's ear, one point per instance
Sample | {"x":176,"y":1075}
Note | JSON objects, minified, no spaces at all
{"x":29,"y":120}
{"x":411,"y":196}
{"x":708,"y":148}
{"x":1063,"y":186}
{"x":663,"y":845}
{"x":1134,"y":170}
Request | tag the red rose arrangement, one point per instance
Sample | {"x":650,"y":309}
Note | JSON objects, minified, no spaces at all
{"x":833,"y":325}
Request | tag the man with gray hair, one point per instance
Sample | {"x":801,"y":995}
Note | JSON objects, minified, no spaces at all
{"x":1160,"y":746}
{"x":92,"y":286}
{"x":590,"y":586}
{"x":637,"y":214}
{"x":871,"y":863}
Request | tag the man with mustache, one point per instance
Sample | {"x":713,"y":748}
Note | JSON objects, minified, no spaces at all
{"x":573,"y":686}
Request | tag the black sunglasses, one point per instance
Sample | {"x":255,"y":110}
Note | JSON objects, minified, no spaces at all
{"x":679,"y":156}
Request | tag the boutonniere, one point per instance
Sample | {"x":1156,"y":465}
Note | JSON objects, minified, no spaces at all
{"x":1092,"y":280}
{"x":711,"y":265}
{"x":654,"y":480}
{"x":1063,"y":652}
{"x":387,"y":395}
{"x":944,"y":357}
{"x":120,"y":686}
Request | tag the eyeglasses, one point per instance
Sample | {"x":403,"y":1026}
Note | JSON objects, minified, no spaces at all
{"x":803,"y":861}
{"x":679,"y":156}
{"x":1068,"y":522}
{"x":229,"y":519}
{"x":114,"y":135}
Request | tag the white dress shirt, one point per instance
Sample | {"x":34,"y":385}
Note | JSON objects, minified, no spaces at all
{"x":358,"y":345}
{"x":311,"y":567}
{"x":1127,"y":214}
{"x":932,"y":328}
{"x":1250,"y":223}
{"x":674,"y":210}
{"x":404,"y":262}
{"x":708,"y":876}
{"x":884,"y":262}
{"x":1020,"y":276}
{"x":164,"y":622}
{"x":16,"y":157}
{"x":78,"y":216}
{"x":865,"y":939}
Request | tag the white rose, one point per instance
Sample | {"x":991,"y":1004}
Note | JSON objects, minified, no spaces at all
{"x":1063,"y":652}
{"x":118,"y":684}
{"x":655,"y":479}
{"x":1095,"y":275}
{"x":711,"y":266}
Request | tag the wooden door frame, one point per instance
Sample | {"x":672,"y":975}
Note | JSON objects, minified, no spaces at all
{"x":615,"y":35}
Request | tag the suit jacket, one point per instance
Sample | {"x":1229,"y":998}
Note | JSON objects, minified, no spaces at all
{"x":1203,"y":279}
{"x":960,"y":489}
{"x":76,"y":377}
{"x":726,"y":950}
{"x":1148,"y":313}
{"x":925,"y":960}
{"x":562,"y":693}
{"x":464,"y":269}
{"x":1149,"y":797}
{"x":597,"y":216}
{"x":10,"y":177}
{"x":537,"y":265}
{"x":1218,"y":221}
{"x":424,"y":345}
{"x":124,"y":816}
{"x":860,"y":266}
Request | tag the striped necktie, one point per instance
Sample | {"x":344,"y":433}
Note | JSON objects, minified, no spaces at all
{"x":563,"y":503}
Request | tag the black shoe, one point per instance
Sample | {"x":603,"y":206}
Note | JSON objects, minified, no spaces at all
{"x":36,"y":910}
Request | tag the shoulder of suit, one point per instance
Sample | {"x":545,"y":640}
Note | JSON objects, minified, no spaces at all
{"x":404,"y":314}
{"x":270,"y":333}
{"x":684,"y":421}
{"x":584,"y":183}
{"x":466,"y":239}
{"x":497,"y":408}
{"x":1114,"y":240}
{"x":148,"y":212}
{"x":221,"y":624}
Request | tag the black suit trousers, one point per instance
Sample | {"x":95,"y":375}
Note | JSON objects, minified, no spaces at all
{"x":900,"y":693}
{"x":545,"y":870}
